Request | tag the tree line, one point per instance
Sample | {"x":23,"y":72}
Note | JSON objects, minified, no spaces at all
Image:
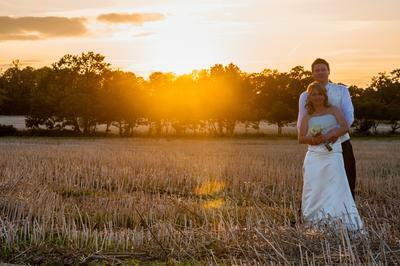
{"x":80,"y":92}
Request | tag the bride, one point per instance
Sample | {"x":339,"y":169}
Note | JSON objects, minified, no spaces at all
{"x":326,"y":198}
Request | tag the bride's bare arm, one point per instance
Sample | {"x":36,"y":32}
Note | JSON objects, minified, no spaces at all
{"x":302,"y":132}
{"x":343,"y":129}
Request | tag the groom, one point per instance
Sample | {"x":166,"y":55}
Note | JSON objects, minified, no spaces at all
{"x":339,"y":96}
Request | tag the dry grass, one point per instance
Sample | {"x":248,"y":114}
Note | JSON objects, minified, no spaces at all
{"x":184,"y":201}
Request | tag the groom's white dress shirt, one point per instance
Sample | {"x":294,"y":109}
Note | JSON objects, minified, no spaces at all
{"x":339,"y":96}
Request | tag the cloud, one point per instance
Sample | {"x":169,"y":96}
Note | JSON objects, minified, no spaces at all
{"x":134,"y":18}
{"x":38,"y":28}
{"x":355,"y":10}
{"x":143,"y":34}
{"x":34,"y":8}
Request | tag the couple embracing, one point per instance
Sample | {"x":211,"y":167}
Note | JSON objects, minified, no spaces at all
{"x":329,"y":173}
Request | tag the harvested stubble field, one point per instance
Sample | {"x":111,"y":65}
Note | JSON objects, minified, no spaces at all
{"x":221,"y":201}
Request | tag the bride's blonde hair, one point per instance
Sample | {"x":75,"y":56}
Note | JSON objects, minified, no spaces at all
{"x":318,"y":87}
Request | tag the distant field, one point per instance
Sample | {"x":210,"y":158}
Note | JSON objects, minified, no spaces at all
{"x":16,"y":121}
{"x":134,"y":201}
{"x":19,"y":123}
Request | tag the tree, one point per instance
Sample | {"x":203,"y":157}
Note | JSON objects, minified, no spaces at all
{"x":17,"y":85}
{"x":393,"y":115}
{"x":369,"y":112}
{"x":387,"y":92}
{"x":277,"y":94}
{"x":122,"y":99}
{"x":44,"y":101}
{"x":86,"y":73}
{"x":225,"y":92}
{"x":2,"y":92}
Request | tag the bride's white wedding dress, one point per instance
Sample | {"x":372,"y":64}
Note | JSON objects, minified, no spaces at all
{"x":326,"y":193}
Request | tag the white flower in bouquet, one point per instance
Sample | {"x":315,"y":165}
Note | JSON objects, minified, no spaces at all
{"x":316,"y":130}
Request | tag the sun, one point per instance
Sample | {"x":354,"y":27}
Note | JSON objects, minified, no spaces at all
{"x":183,"y":45}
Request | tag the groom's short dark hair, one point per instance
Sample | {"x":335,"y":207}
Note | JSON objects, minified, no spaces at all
{"x":319,"y":61}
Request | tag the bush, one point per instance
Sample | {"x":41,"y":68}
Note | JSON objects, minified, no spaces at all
{"x":40,"y":132}
{"x":7,"y":130}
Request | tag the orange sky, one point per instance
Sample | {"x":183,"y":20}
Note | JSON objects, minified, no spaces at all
{"x":358,"y":37}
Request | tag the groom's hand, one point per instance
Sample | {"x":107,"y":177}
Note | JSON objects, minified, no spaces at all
{"x":333,"y":139}
{"x":317,"y":140}
{"x":331,"y":136}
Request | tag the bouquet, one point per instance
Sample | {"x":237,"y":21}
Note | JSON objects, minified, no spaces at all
{"x":315,"y":131}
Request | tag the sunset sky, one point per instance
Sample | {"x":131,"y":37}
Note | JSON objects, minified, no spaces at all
{"x":358,"y":37}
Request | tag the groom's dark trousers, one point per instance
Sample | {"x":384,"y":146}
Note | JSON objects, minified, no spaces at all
{"x":349,"y":165}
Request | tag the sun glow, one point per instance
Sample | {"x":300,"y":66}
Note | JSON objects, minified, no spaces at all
{"x":214,"y":204}
{"x":210,"y":187}
{"x":182,"y":45}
